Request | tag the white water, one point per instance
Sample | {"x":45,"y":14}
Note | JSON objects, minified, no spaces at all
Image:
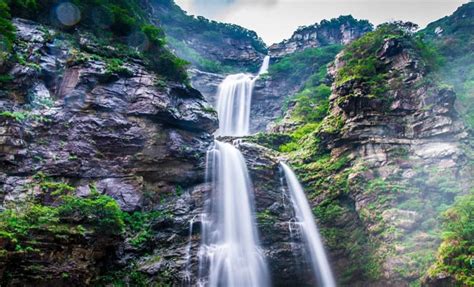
{"x":308,"y":229}
{"x":231,"y":247}
{"x":234,"y":98}
{"x":265,"y":65}
{"x":233,"y":104}
{"x":230,"y":255}
{"x":187,"y":271}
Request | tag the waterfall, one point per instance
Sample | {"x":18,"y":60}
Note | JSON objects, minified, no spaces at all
{"x":233,"y":104}
{"x":234,"y":97}
{"x":230,"y":240}
{"x":308,"y":229}
{"x":265,"y":65}
{"x":230,"y":254}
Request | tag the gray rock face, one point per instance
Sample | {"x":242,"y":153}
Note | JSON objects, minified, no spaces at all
{"x":267,"y":98}
{"x":408,"y":156}
{"x":197,"y":38}
{"x":85,"y":125}
{"x":342,"y":30}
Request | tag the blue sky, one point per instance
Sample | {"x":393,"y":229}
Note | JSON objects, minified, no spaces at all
{"x":275,"y":20}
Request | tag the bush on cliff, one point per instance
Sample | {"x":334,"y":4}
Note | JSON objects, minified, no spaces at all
{"x":456,"y":252}
{"x":7,"y":32}
{"x":113,"y":22}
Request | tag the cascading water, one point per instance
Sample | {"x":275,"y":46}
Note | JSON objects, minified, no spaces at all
{"x":308,"y":229}
{"x":234,"y":97}
{"x":265,"y":65}
{"x":231,"y":246}
{"x":230,"y":255}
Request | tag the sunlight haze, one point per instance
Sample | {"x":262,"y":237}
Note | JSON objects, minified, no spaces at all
{"x":275,"y":20}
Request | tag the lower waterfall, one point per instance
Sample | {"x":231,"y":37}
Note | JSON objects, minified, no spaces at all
{"x":305,"y":220}
{"x":230,"y":247}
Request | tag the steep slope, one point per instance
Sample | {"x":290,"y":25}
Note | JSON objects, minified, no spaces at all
{"x":296,"y":64}
{"x":388,"y":158}
{"x":208,"y":45}
{"x":452,"y":36}
{"x":101,"y":147}
{"x":341,"y":31}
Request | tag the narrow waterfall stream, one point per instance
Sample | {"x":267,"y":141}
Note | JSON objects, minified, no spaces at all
{"x":305,"y":220}
{"x":230,"y":255}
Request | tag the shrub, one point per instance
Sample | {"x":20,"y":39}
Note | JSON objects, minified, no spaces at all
{"x":7,"y":32}
{"x":457,"y":249}
{"x":155,"y":35}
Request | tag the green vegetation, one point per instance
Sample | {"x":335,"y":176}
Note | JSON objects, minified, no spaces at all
{"x":363,"y":64}
{"x":452,"y":38}
{"x":295,"y":66}
{"x":139,"y":226}
{"x":17,"y":116}
{"x":115,"y":66}
{"x":124,"y":278}
{"x":66,"y":215}
{"x":7,"y":32}
{"x":196,"y":39}
{"x":113,"y":23}
{"x":456,"y":252}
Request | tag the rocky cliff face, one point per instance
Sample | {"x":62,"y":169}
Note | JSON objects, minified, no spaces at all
{"x":79,"y":121}
{"x":208,"y":45}
{"x":267,"y":98}
{"x":342,"y":30}
{"x":408,"y":150}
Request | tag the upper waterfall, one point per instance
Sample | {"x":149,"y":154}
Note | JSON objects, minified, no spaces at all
{"x":305,"y":220}
{"x":234,"y":98}
{"x":265,"y":65}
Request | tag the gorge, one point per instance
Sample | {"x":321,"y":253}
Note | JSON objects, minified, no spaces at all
{"x":141,"y":146}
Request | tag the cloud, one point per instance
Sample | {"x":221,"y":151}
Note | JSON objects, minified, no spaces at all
{"x":214,"y":8}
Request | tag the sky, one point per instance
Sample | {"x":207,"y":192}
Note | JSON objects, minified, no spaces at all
{"x":275,"y":20}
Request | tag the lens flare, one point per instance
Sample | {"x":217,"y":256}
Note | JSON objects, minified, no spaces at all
{"x":139,"y":41}
{"x":68,"y":14}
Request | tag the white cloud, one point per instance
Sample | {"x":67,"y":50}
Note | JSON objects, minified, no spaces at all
{"x":275,"y":20}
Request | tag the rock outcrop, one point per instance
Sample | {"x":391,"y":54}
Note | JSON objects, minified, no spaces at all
{"x":208,"y":45}
{"x":86,"y":124}
{"x":267,"y":98}
{"x":408,"y":152}
{"x":342,"y":30}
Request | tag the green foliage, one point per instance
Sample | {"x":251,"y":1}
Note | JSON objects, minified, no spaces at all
{"x":7,"y":32}
{"x":139,"y":226}
{"x":312,"y":104}
{"x":167,"y":64}
{"x":101,"y":212}
{"x":67,"y":214}
{"x":115,"y":66}
{"x":456,"y":46}
{"x":362,"y":63}
{"x":181,"y":26}
{"x":17,"y":116}
{"x":154,"y":34}
{"x":270,"y":140}
{"x":329,"y":212}
{"x":121,"y":17}
{"x":457,"y":249}
{"x":124,"y":278}
{"x":295,"y":66}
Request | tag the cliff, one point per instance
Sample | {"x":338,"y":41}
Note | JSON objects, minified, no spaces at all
{"x":389,"y":156}
{"x":208,"y":45}
{"x":342,"y":31}
{"x":121,"y":132}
